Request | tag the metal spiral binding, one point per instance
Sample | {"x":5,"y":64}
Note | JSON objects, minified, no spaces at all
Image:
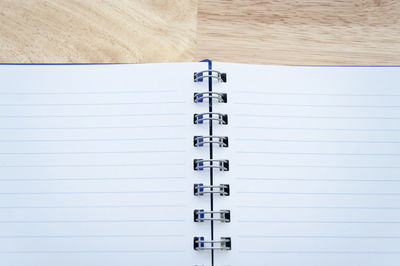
{"x":200,"y":118}
{"x":198,"y":76}
{"x":211,"y":216}
{"x":201,"y":164}
{"x":200,"y":244}
{"x":200,"y":96}
{"x":199,"y":141}
{"x":201,"y":190}
{"x":201,"y":216}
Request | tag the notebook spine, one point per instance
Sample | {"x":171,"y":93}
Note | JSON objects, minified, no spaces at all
{"x":210,"y":164}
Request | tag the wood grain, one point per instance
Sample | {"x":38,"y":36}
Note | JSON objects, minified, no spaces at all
{"x":247,"y":31}
{"x":305,"y":32}
{"x":97,"y":31}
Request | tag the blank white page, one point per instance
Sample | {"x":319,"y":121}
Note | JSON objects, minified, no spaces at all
{"x":96,"y":165}
{"x":314,"y":165}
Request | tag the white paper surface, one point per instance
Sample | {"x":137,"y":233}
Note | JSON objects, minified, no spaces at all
{"x":314,"y":165}
{"x":96,"y":165}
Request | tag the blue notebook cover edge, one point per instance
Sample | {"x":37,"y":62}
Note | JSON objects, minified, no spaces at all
{"x":204,"y":60}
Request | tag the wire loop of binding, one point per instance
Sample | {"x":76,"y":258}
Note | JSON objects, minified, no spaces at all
{"x":200,"y":118}
{"x":200,"y":164}
{"x":223,"y":216}
{"x":200,"y":96}
{"x":201,"y":190}
{"x":199,"y":141}
{"x":224,"y":243}
{"x":199,"y":76}
{"x":200,"y":215}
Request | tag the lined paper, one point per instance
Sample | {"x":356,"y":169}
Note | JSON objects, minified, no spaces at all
{"x":93,"y":165}
{"x":96,"y":165}
{"x":315,"y":171}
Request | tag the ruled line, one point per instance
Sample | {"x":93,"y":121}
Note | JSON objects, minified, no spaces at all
{"x":90,"y":236}
{"x":319,"y":236}
{"x":87,"y":92}
{"x":317,"y":117}
{"x":90,"y":251}
{"x":90,"y":152}
{"x":85,"y":116}
{"x":320,"y":193}
{"x":91,"y":165}
{"x":319,"y":129}
{"x":92,"y":192}
{"x":369,"y":252}
{"x":94,"y":221}
{"x":89,"y":104}
{"x":91,"y":140}
{"x":318,"y":207}
{"x":92,"y":206}
{"x":99,"y":127}
{"x":316,"y":141}
{"x":317,"y":179}
{"x":319,"y":153}
{"x":318,"y":222}
{"x":319,"y":166}
{"x":318,"y":105}
{"x":90,"y":179}
{"x":317,"y":94}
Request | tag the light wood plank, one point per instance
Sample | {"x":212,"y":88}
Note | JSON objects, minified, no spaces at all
{"x":97,"y":31}
{"x":360,"y":32}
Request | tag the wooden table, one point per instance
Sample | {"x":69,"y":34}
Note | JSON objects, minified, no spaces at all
{"x":353,"y":32}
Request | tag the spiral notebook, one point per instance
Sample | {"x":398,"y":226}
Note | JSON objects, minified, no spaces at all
{"x":199,"y":164}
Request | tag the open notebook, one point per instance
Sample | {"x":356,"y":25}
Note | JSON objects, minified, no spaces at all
{"x":152,"y":165}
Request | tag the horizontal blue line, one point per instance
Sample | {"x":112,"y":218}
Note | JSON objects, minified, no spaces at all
{"x":80,"y":116}
{"x":93,"y":165}
{"x":319,"y":153}
{"x":314,"y":141}
{"x":89,"y":251}
{"x":316,"y":236}
{"x":91,"y":236}
{"x":320,"y":207}
{"x":317,"y":94}
{"x":322,"y":129}
{"x":90,"y":104}
{"x":318,"y":193}
{"x":320,"y":166}
{"x":92,"y":207}
{"x":319,"y":105}
{"x":93,"y":221}
{"x":90,"y":179}
{"x":317,"y":179}
{"x":103,"y":127}
{"x":88,"y":140}
{"x":322,"y":222}
{"x":91,"y":192}
{"x":90,"y":152}
{"x":316,"y":117}
{"x":86,"y":92}
{"x":369,"y":252}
